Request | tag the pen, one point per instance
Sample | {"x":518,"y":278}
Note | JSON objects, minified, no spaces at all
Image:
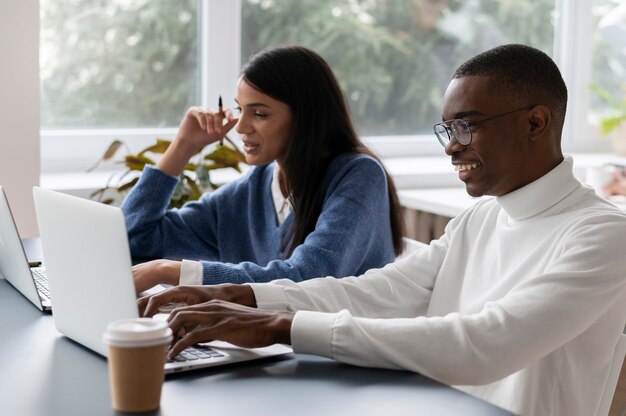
{"x":221,"y":112}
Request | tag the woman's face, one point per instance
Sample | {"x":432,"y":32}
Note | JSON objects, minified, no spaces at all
{"x":264,"y":123}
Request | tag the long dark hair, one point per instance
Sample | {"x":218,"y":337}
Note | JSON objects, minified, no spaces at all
{"x":322,"y":129}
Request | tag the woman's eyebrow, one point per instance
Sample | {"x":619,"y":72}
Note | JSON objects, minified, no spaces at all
{"x":254,"y":105}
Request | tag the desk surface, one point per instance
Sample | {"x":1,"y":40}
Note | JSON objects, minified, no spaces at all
{"x":43,"y":373}
{"x":449,"y":202}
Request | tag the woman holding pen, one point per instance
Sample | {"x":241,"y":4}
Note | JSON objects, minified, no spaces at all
{"x":316,"y":203}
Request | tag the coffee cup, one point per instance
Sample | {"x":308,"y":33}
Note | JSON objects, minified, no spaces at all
{"x":136,"y":351}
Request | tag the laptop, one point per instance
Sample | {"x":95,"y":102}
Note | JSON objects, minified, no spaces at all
{"x":14,"y":266}
{"x":88,"y":264}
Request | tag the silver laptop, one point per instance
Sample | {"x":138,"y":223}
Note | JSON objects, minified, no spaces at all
{"x":91,"y":283}
{"x":14,"y":266}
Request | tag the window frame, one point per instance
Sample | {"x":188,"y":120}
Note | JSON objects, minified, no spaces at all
{"x":573,"y":49}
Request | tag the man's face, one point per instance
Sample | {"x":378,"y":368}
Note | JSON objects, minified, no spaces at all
{"x":498,"y":159}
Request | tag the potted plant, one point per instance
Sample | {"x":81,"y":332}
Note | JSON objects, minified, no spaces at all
{"x":613,"y":123}
{"x":192,"y":183}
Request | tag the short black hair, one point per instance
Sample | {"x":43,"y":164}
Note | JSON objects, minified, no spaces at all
{"x":528,"y":75}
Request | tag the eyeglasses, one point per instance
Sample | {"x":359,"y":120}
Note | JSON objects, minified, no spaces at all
{"x":461,"y":130}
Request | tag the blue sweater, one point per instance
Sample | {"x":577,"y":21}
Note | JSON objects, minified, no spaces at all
{"x":234,"y":232}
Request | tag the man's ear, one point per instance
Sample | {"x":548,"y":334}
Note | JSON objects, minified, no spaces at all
{"x":539,"y":118}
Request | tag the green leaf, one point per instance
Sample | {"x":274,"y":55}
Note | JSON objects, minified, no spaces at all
{"x":160,"y":147}
{"x":224,"y":156}
{"x":187,"y":189}
{"x":137,"y":162}
{"x":128,"y":185}
{"x":606,"y":96}
{"x":608,"y":124}
{"x":195,"y":190}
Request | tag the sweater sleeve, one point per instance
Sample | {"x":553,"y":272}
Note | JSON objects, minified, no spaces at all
{"x":352,"y":233}
{"x":156,"y":232}
{"x":536,"y":317}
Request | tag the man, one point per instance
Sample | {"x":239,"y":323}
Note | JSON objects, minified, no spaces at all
{"x":521,"y":302}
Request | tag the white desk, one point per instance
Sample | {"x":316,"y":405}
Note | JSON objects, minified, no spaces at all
{"x":448,"y":202}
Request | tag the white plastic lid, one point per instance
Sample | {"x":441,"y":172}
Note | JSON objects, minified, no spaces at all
{"x":137,"y":332}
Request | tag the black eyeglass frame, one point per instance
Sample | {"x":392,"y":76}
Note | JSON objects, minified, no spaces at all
{"x":468,"y":125}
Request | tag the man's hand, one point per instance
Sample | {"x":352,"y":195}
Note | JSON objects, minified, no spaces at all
{"x":192,"y":295}
{"x":225,"y":321}
{"x":155,"y":272}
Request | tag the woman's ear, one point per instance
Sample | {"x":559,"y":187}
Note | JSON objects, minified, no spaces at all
{"x":539,"y":119}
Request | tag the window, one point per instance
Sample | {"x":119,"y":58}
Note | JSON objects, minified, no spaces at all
{"x":129,"y":68}
{"x":117,"y":63}
{"x":394,"y":59}
{"x":609,"y":53}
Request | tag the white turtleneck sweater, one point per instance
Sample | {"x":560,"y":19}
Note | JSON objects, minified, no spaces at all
{"x":521,"y":302}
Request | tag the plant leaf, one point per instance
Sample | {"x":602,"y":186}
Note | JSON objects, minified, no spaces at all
{"x":608,"y":124}
{"x":97,"y":192}
{"x":160,"y":147}
{"x":128,"y":184}
{"x":606,"y":96}
{"x":108,"y":154}
{"x":195,"y":190}
{"x":225,"y":156}
{"x":137,"y":162}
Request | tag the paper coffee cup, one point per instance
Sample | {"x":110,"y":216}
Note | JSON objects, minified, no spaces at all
{"x":137,"y":352}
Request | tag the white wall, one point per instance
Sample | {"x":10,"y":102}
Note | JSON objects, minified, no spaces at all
{"x":19,"y":108}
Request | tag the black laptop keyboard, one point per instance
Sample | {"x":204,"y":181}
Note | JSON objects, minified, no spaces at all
{"x":194,"y":353}
{"x":41,"y":281}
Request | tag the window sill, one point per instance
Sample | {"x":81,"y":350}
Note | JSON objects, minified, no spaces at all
{"x":408,"y":173}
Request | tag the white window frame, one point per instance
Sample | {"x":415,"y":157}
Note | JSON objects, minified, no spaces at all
{"x":220,"y":65}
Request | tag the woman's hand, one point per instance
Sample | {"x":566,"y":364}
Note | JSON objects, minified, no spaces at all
{"x":192,"y":295}
{"x":198,"y":128}
{"x":201,"y":127}
{"x":155,"y":272}
{"x":225,"y":321}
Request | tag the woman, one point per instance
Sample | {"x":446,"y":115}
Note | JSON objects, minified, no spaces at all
{"x":316,"y":203}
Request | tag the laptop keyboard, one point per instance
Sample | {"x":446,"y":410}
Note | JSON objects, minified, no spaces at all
{"x":41,"y":282}
{"x":197,"y":352}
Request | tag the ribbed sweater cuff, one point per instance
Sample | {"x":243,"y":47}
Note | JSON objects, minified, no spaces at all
{"x":214,"y":273}
{"x":154,"y":181}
